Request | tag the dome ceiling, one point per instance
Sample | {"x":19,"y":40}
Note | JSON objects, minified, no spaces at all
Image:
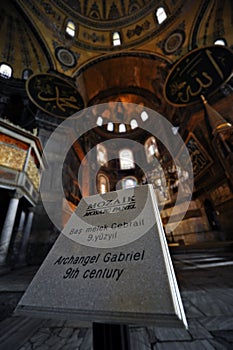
{"x":105,"y":14}
{"x":33,"y":37}
{"x":141,"y":77}
{"x":20,"y":47}
{"x":33,"y":33}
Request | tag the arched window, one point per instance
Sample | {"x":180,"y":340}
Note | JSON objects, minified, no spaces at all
{"x":110,"y":126}
{"x":70,"y":28}
{"x":144,"y":116}
{"x":133,"y":124}
{"x":122,"y":128}
{"x":161,"y":15}
{"x":102,"y":156}
{"x":99,"y":121}
{"x":126,"y":159}
{"x":129,"y":182}
{"x":103,"y":183}
{"x":116,"y":39}
{"x":5,"y":71}
{"x":26,"y":74}
{"x":220,"y":41}
{"x":151,"y":149}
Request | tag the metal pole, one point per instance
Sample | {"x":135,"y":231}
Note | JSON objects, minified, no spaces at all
{"x":110,"y":337}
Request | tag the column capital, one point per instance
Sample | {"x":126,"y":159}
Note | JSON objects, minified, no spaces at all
{"x":16,"y":194}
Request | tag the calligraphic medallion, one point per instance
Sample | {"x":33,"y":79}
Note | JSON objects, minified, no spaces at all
{"x":54,"y":95}
{"x":200,"y":72}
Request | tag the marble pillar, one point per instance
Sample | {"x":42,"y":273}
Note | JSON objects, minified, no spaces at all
{"x":8,"y":227}
{"x":21,"y":221}
{"x":26,"y":234}
{"x":18,"y":235}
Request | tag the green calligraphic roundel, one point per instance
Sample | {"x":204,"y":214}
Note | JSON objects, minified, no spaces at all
{"x":200,"y":72}
{"x":54,"y":95}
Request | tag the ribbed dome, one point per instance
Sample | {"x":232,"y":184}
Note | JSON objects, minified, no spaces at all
{"x":33,"y":34}
{"x":91,"y":11}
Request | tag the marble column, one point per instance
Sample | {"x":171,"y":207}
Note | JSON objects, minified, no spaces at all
{"x":21,"y":221}
{"x":26,"y":234}
{"x":8,"y":227}
{"x":19,"y":234}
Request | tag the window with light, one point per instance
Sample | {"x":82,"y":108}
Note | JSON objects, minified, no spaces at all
{"x":151,"y":149}
{"x":161,"y":15}
{"x":5,"y":71}
{"x":102,"y":156}
{"x":126,"y":159}
{"x":129,"y":182}
{"x":103,"y":183}
{"x":70,"y":28}
{"x":116,"y":39}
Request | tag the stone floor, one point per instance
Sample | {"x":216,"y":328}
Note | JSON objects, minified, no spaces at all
{"x":206,"y":285}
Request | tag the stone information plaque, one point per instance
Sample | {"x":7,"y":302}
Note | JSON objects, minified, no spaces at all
{"x":110,"y":264}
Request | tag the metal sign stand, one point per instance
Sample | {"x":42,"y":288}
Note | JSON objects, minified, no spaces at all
{"x":110,"y":337}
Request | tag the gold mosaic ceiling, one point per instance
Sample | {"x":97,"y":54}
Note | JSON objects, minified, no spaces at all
{"x":19,"y":45}
{"x":33,"y":37}
{"x":106,"y":13}
{"x":33,"y":32}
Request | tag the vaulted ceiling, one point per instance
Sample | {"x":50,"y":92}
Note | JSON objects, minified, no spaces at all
{"x":33,"y":32}
{"x":33,"y":37}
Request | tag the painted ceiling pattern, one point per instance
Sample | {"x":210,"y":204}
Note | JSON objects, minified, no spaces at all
{"x":19,"y":45}
{"x":105,"y":10}
{"x":33,"y":32}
